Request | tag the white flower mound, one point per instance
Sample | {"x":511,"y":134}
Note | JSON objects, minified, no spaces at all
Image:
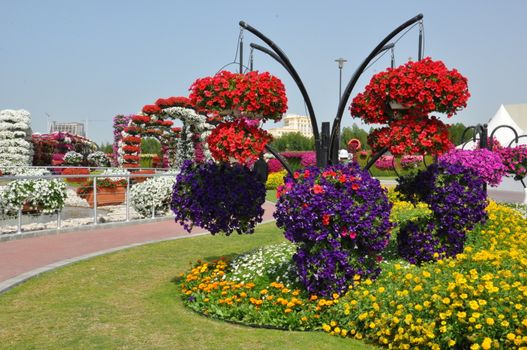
{"x":16,"y":147}
{"x":47,"y":195}
{"x":114,"y":171}
{"x":155,"y":192}
{"x":99,"y":159}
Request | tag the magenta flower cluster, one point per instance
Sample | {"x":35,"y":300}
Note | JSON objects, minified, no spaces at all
{"x":339,"y":219}
{"x":385,"y":163}
{"x":515,"y":161}
{"x":410,"y":162}
{"x":485,"y":163}
{"x":307,"y":158}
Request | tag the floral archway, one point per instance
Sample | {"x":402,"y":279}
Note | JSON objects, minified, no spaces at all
{"x":156,"y":121}
{"x":221,"y":120}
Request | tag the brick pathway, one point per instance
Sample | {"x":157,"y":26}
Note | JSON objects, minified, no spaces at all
{"x":24,"y":258}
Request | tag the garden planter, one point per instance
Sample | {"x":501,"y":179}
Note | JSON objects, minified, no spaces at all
{"x":140,"y":179}
{"x":107,"y":196}
{"x":27,"y":208}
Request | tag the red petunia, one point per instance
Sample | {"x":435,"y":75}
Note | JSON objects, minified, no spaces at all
{"x":317,"y":189}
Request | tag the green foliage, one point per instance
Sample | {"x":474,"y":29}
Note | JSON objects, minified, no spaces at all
{"x":150,"y":146}
{"x":354,"y":132}
{"x":456,"y":131}
{"x":105,"y":147}
{"x":293,"y":141}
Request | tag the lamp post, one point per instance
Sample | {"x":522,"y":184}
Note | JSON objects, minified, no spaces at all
{"x":341,"y":62}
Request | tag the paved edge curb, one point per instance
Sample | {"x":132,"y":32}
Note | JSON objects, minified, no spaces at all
{"x":74,"y":229}
{"x":15,"y":281}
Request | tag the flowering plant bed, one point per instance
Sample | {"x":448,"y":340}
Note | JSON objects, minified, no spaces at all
{"x":76,"y":171}
{"x":467,"y":302}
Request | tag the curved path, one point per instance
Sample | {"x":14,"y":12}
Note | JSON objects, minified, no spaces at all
{"x":24,"y":258}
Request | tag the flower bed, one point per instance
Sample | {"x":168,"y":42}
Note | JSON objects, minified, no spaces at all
{"x":473,"y":301}
{"x":41,"y":195}
{"x":155,"y":194}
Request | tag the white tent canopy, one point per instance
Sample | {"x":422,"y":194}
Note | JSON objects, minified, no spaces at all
{"x":515,"y":116}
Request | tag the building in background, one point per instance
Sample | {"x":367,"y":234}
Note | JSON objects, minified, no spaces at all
{"x":293,"y":123}
{"x":72,"y":128}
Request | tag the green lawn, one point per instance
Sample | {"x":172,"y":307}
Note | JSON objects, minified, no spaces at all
{"x":271,"y":196}
{"x":127,"y":300}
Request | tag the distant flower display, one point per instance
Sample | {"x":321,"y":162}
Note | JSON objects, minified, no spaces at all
{"x":515,"y":161}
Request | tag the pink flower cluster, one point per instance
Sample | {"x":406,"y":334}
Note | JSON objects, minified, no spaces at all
{"x":487,"y":164}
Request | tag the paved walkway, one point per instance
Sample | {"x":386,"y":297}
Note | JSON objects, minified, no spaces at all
{"x":25,"y":258}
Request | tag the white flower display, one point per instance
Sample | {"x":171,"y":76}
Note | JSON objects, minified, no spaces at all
{"x":274,"y":260}
{"x":193,"y":124}
{"x":114,"y":171}
{"x":99,"y":159}
{"x":73,"y":158}
{"x":46,"y":195}
{"x":154,"y":193}
{"x":16,"y":147}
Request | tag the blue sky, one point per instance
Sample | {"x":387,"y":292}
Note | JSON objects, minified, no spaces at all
{"x":78,"y":60}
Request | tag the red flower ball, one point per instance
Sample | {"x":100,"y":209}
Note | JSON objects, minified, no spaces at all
{"x":237,"y":140}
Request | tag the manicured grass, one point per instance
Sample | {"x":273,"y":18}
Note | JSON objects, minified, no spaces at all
{"x":127,"y":300}
{"x":271,"y":196}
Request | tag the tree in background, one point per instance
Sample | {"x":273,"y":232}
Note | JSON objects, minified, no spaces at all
{"x":150,"y":146}
{"x":456,"y":131}
{"x":293,"y":141}
{"x":354,"y":132}
{"x":105,"y":147}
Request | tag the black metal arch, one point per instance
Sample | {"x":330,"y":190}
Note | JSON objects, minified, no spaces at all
{"x":491,"y":138}
{"x":353,"y":81}
{"x":284,"y":60}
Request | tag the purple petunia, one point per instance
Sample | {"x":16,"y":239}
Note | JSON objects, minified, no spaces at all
{"x":339,"y":217}
{"x":218,"y":197}
{"x":456,"y":196}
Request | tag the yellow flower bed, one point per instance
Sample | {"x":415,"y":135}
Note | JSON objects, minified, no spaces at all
{"x":275,"y":179}
{"x":476,"y":301}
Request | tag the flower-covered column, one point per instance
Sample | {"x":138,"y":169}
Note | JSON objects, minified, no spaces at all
{"x":16,"y":147}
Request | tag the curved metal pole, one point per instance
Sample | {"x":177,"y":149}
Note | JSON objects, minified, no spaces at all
{"x":465,"y":132}
{"x":297,"y":80}
{"x":355,"y":78}
{"x":272,"y":54}
{"x":503,"y":126}
{"x":519,"y":137}
{"x":376,"y":156}
{"x":280,"y":159}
